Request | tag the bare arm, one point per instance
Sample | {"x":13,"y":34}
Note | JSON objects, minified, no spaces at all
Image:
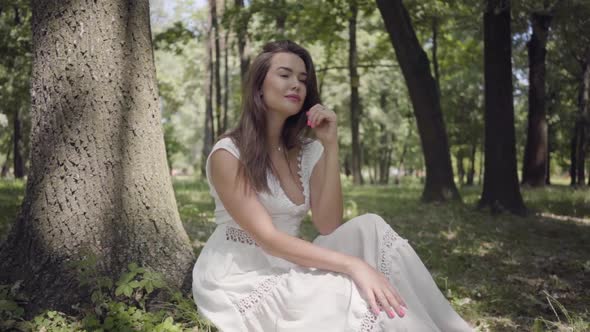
{"x":326,"y":191}
{"x":249,"y":213}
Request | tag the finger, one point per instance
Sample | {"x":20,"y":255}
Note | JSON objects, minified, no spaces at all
{"x":319,"y":118}
{"x":385,"y":305}
{"x":394,"y":303}
{"x":373,"y":303}
{"x":401,"y":307}
{"x":311,"y":114}
{"x":316,"y":118}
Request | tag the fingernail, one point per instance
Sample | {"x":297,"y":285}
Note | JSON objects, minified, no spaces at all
{"x":376,"y":312}
{"x":401,"y":312}
{"x":308,"y":123}
{"x":391,"y":314}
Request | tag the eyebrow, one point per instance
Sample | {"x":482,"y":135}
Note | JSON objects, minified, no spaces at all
{"x":291,"y":70}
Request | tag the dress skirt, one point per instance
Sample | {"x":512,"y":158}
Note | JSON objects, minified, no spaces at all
{"x":239,"y":287}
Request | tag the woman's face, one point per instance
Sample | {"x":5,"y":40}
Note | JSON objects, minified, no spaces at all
{"x":284,"y":87}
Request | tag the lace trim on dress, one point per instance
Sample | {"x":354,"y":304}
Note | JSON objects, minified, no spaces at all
{"x":252,"y":300}
{"x":368,"y":322}
{"x":391,"y":240}
{"x":300,"y":173}
{"x":238,"y":235}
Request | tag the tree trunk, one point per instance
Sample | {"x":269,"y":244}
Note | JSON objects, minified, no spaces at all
{"x":322,"y":74}
{"x":471,"y":172}
{"x":5,"y":167}
{"x":435,"y":54}
{"x":242,"y":31}
{"x":19,"y":170}
{"x":460,"y":168}
{"x":574,"y":155}
{"x":414,"y":63}
{"x":584,"y":121}
{"x":500,"y":188}
{"x":535,"y":154}
{"x":217,"y":79}
{"x":99,"y":178}
{"x":209,"y":130}
{"x":225,"y":81}
{"x":347,"y":170}
{"x":384,"y":157}
{"x":355,"y":105}
{"x":280,"y":16}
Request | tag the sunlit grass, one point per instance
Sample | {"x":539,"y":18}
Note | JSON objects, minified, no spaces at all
{"x":502,"y":273}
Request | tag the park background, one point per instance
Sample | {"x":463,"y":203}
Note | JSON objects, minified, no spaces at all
{"x":483,"y":171}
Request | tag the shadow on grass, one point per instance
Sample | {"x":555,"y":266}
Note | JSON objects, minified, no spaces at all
{"x":497,"y":271}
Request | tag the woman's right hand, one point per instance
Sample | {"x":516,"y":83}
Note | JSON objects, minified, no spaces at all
{"x":376,"y":289}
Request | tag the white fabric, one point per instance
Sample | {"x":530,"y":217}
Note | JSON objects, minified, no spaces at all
{"x":239,"y":287}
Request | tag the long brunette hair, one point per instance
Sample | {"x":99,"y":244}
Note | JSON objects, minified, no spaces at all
{"x":250,"y":134}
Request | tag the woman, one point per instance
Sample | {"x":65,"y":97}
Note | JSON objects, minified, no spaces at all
{"x":254,"y":274}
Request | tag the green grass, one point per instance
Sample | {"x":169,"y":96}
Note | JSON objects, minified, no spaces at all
{"x":502,"y":273}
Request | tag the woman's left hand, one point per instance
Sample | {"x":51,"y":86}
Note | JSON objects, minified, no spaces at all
{"x":324,"y":123}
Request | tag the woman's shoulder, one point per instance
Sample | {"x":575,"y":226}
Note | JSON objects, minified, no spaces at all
{"x":227,"y":143}
{"x":312,"y":145}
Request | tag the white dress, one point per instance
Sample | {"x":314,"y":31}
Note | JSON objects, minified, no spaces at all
{"x":239,"y":287}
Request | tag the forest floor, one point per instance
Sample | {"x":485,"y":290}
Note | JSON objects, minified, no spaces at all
{"x":501,"y":273}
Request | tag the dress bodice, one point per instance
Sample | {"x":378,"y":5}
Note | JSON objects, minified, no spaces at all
{"x":285,"y":214}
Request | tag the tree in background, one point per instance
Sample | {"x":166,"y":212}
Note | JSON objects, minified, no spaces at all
{"x":423,"y":91}
{"x":500,"y":187}
{"x":536,"y":158}
{"x":99,"y":180}
{"x":355,"y":103}
{"x":15,"y":69}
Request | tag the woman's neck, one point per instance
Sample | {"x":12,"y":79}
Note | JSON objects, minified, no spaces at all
{"x":274,"y":128}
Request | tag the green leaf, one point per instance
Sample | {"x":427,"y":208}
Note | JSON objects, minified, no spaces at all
{"x":134,"y":284}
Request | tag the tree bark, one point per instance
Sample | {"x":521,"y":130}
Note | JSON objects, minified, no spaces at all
{"x":99,"y":179}
{"x":500,"y":188}
{"x":536,"y":149}
{"x":355,"y":105}
{"x":415,"y":67}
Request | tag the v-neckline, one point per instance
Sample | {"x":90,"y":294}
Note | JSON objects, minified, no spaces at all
{"x":299,"y":177}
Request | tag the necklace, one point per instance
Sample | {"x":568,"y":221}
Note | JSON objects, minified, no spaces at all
{"x":279,"y":148}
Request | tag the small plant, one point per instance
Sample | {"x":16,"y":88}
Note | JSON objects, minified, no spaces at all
{"x":10,"y":310}
{"x":570,"y":322}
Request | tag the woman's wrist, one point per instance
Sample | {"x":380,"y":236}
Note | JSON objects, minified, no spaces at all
{"x":351,"y":265}
{"x":331,"y":146}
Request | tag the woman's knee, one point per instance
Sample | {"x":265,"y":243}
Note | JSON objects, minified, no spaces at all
{"x":367,"y":218}
{"x":377,"y":219}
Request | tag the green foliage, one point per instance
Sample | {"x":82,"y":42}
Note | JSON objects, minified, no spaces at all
{"x":173,"y":38}
{"x":10,"y":310}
